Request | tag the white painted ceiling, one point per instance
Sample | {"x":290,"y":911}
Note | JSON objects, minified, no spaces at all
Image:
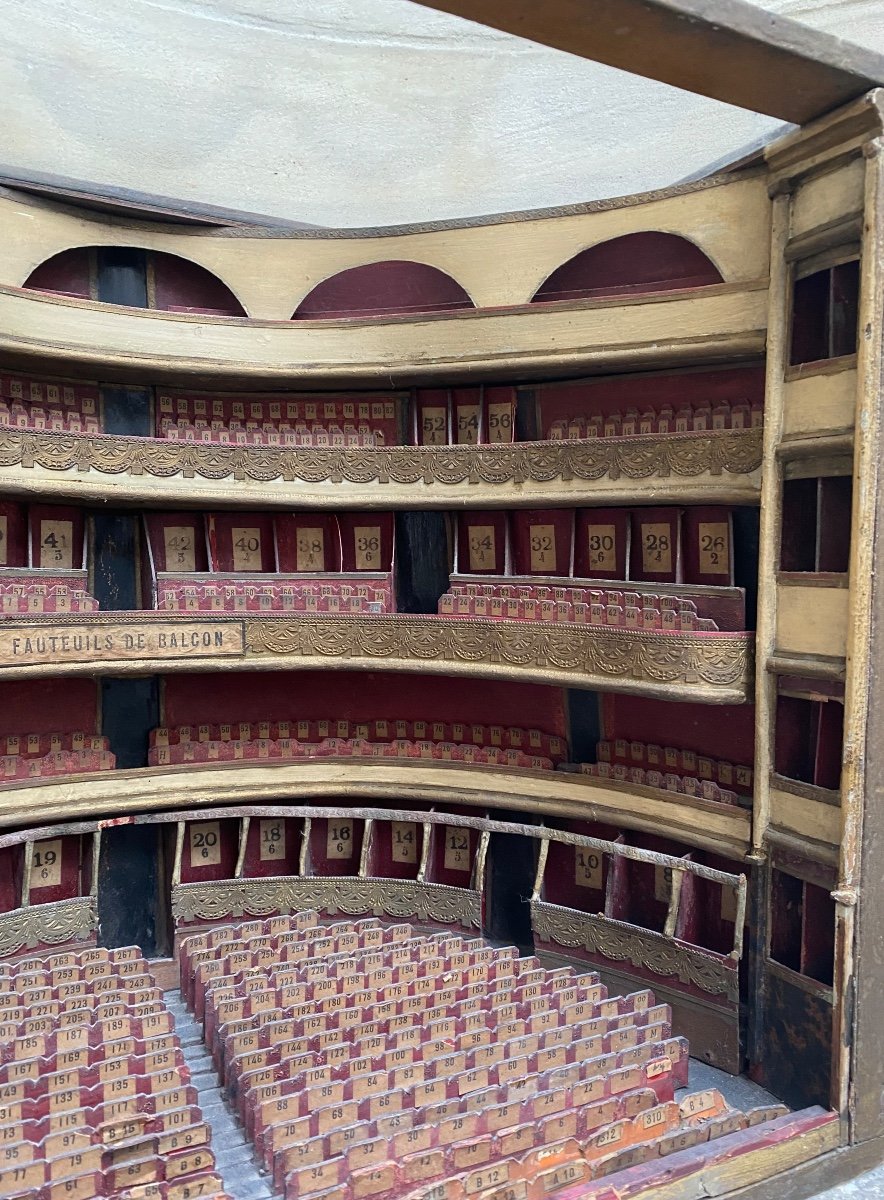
{"x":350,"y":112}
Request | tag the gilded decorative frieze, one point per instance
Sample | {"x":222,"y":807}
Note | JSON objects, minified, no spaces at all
{"x":734,"y":452}
{"x":399,"y":899}
{"x":639,"y":948}
{"x":608,"y":655}
{"x":47,"y":924}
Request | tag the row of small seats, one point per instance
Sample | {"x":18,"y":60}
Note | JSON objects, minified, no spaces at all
{"x":277,"y":421}
{"x":95,"y":1097}
{"x":687,"y":418}
{"x":531,"y":741}
{"x":290,"y":596}
{"x":290,"y":748}
{"x":577,"y":605}
{"x":371,"y":1061}
{"x":684,"y":785}
{"x":64,"y":762}
{"x":37,"y":745}
{"x":252,"y":435}
{"x":629,"y":753}
{"x":44,"y":596}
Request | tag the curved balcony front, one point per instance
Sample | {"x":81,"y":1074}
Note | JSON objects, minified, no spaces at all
{"x":712,"y":668}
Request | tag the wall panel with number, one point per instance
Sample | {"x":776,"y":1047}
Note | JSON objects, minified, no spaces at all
{"x":452,"y":855}
{"x":241,"y":542}
{"x":209,"y":850}
{"x":177,"y":542}
{"x":335,"y":845}
{"x":577,"y":876}
{"x":307,"y":542}
{"x":366,"y":541}
{"x":395,"y":850}
{"x":273,"y":847}
{"x":60,"y":868}
{"x":57,"y":538}
{"x":482,"y":543}
{"x":464,"y":416}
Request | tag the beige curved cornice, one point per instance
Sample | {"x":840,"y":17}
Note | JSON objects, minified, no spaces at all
{"x":499,"y":261}
{"x":723,"y":321}
{"x":364,"y":782}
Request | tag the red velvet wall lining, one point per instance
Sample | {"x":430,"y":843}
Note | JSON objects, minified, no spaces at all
{"x":635,"y":263}
{"x":181,"y":285}
{"x":68,"y":272}
{"x":721,"y":731}
{"x":619,"y":392}
{"x":48,"y":705}
{"x":357,"y":695}
{"x":383,"y":288}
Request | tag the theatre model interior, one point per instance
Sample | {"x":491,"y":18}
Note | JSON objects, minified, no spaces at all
{"x":441,"y":721}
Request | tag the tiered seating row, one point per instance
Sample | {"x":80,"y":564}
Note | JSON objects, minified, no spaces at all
{"x":370,"y":1061}
{"x":267,"y":420}
{"x":95,"y":1097}
{"x":34,"y":755}
{"x":289,"y":748}
{"x":243,"y":595}
{"x":66,"y":595}
{"x":687,"y":418}
{"x":621,"y":752}
{"x":39,"y":404}
{"x":406,"y":738}
{"x":577,"y":605}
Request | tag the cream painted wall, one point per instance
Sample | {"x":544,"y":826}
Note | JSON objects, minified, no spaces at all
{"x":349,"y":112}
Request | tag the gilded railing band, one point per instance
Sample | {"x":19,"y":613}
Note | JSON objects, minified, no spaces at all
{"x":688,"y":455}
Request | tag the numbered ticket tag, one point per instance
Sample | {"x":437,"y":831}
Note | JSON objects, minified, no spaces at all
{"x":46,"y":864}
{"x":662,"y":884}
{"x":587,"y":868}
{"x":433,"y":427}
{"x":310,"y":550}
{"x":602,"y":544}
{"x":57,"y":544}
{"x":500,"y":422}
{"x":656,"y":548}
{"x":271,"y":836}
{"x":457,"y":849}
{"x":403,"y":836}
{"x":543,"y":549}
{"x":246,"y":549}
{"x":178,"y":541}
{"x":4,"y":540}
{"x":482,"y":551}
{"x":467,"y":424}
{"x":368,"y":547}
{"x":339,"y":843}
{"x":715,"y":558}
{"x":205,"y":844}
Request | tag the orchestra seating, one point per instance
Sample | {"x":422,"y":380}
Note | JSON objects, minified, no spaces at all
{"x":370,"y":1061}
{"x":95,"y":1097}
{"x":438,"y":740}
{"x":577,"y":605}
{"x":686,"y":418}
{"x":264,"y":419}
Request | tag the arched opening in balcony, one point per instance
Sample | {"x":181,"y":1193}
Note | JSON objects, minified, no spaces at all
{"x":397,"y":287}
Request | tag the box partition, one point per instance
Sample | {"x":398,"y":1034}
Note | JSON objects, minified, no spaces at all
{"x":542,"y":541}
{"x":307,"y":543}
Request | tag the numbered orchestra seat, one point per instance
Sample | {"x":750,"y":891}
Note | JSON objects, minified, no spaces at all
{"x":263,"y":562}
{"x":281,"y":419}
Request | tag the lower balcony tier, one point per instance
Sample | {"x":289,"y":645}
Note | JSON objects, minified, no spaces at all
{"x":720,"y":828}
{"x":705,"y":667}
{"x":717,"y":466}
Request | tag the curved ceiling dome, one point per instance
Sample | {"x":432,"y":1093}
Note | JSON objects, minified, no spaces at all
{"x":349,"y":112}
